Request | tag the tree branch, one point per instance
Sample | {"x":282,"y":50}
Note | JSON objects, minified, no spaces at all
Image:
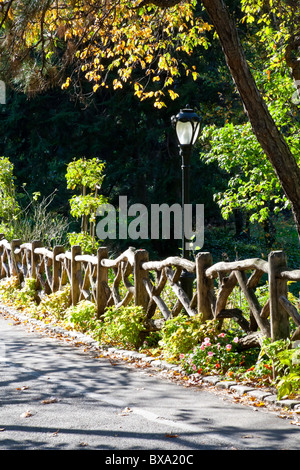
{"x":158,"y":3}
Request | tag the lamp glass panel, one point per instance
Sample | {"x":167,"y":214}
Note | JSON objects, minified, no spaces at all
{"x":184,"y":132}
{"x":197,"y":129}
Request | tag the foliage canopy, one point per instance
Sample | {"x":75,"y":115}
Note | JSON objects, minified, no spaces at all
{"x":58,"y":41}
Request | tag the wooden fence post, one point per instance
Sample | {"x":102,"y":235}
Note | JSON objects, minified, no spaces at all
{"x":102,"y":281}
{"x":279,"y":319}
{"x":205,"y":286}
{"x":55,"y":268}
{"x":75,"y":274}
{"x":34,"y":258}
{"x":13,"y":257}
{"x":141,"y":296}
{"x":255,"y":308}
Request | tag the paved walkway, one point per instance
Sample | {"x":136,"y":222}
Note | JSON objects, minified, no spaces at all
{"x":58,"y":394}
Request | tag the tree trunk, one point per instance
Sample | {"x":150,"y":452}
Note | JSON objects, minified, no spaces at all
{"x":269,"y":137}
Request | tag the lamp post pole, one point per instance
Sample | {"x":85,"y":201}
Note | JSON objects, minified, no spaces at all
{"x":185,"y":192}
{"x":186,"y":278}
{"x":187,"y":125}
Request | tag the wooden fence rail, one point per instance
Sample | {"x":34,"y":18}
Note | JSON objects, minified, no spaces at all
{"x":132,"y":277}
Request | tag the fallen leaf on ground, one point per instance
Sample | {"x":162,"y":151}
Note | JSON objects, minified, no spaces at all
{"x":26,"y":414}
{"x":125,"y":411}
{"x":49,"y":400}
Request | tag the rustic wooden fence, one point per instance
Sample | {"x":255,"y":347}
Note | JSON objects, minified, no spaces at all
{"x":134,"y":278}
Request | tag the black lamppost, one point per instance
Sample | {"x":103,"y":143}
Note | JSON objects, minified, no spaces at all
{"x":187,"y":127}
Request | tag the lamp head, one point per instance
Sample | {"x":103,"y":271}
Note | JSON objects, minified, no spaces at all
{"x":187,"y":126}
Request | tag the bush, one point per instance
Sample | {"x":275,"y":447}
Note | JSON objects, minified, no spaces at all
{"x":8,"y":288}
{"x":82,"y":316}
{"x":289,"y":384}
{"x":87,"y":243}
{"x":217,"y":354}
{"x":285,"y":361}
{"x":54,"y":304}
{"x":27,"y":294}
{"x":37,"y":222}
{"x":123,"y":326}
{"x":21,"y":296}
{"x":181,"y":333}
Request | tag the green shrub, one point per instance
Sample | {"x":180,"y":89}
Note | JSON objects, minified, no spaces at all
{"x":286,"y":365}
{"x":123,"y":326}
{"x":218,"y":354}
{"x":289,"y":383}
{"x":87,"y":243}
{"x":151,"y":341}
{"x":54,"y":304}
{"x":21,"y":296}
{"x":181,"y":333}
{"x":82,"y":316}
{"x":38,"y":222}
{"x":8,"y":288}
{"x":27,"y":294}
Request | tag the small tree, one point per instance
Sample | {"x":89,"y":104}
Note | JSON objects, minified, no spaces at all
{"x":87,"y":176}
{"x":9,"y":208}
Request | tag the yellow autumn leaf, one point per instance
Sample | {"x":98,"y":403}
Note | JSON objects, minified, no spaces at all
{"x":173,"y":95}
{"x":117,"y":84}
{"x":66,"y":84}
{"x":159,"y":104}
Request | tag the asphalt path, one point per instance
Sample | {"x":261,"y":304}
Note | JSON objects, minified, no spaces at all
{"x":56,"y":395}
